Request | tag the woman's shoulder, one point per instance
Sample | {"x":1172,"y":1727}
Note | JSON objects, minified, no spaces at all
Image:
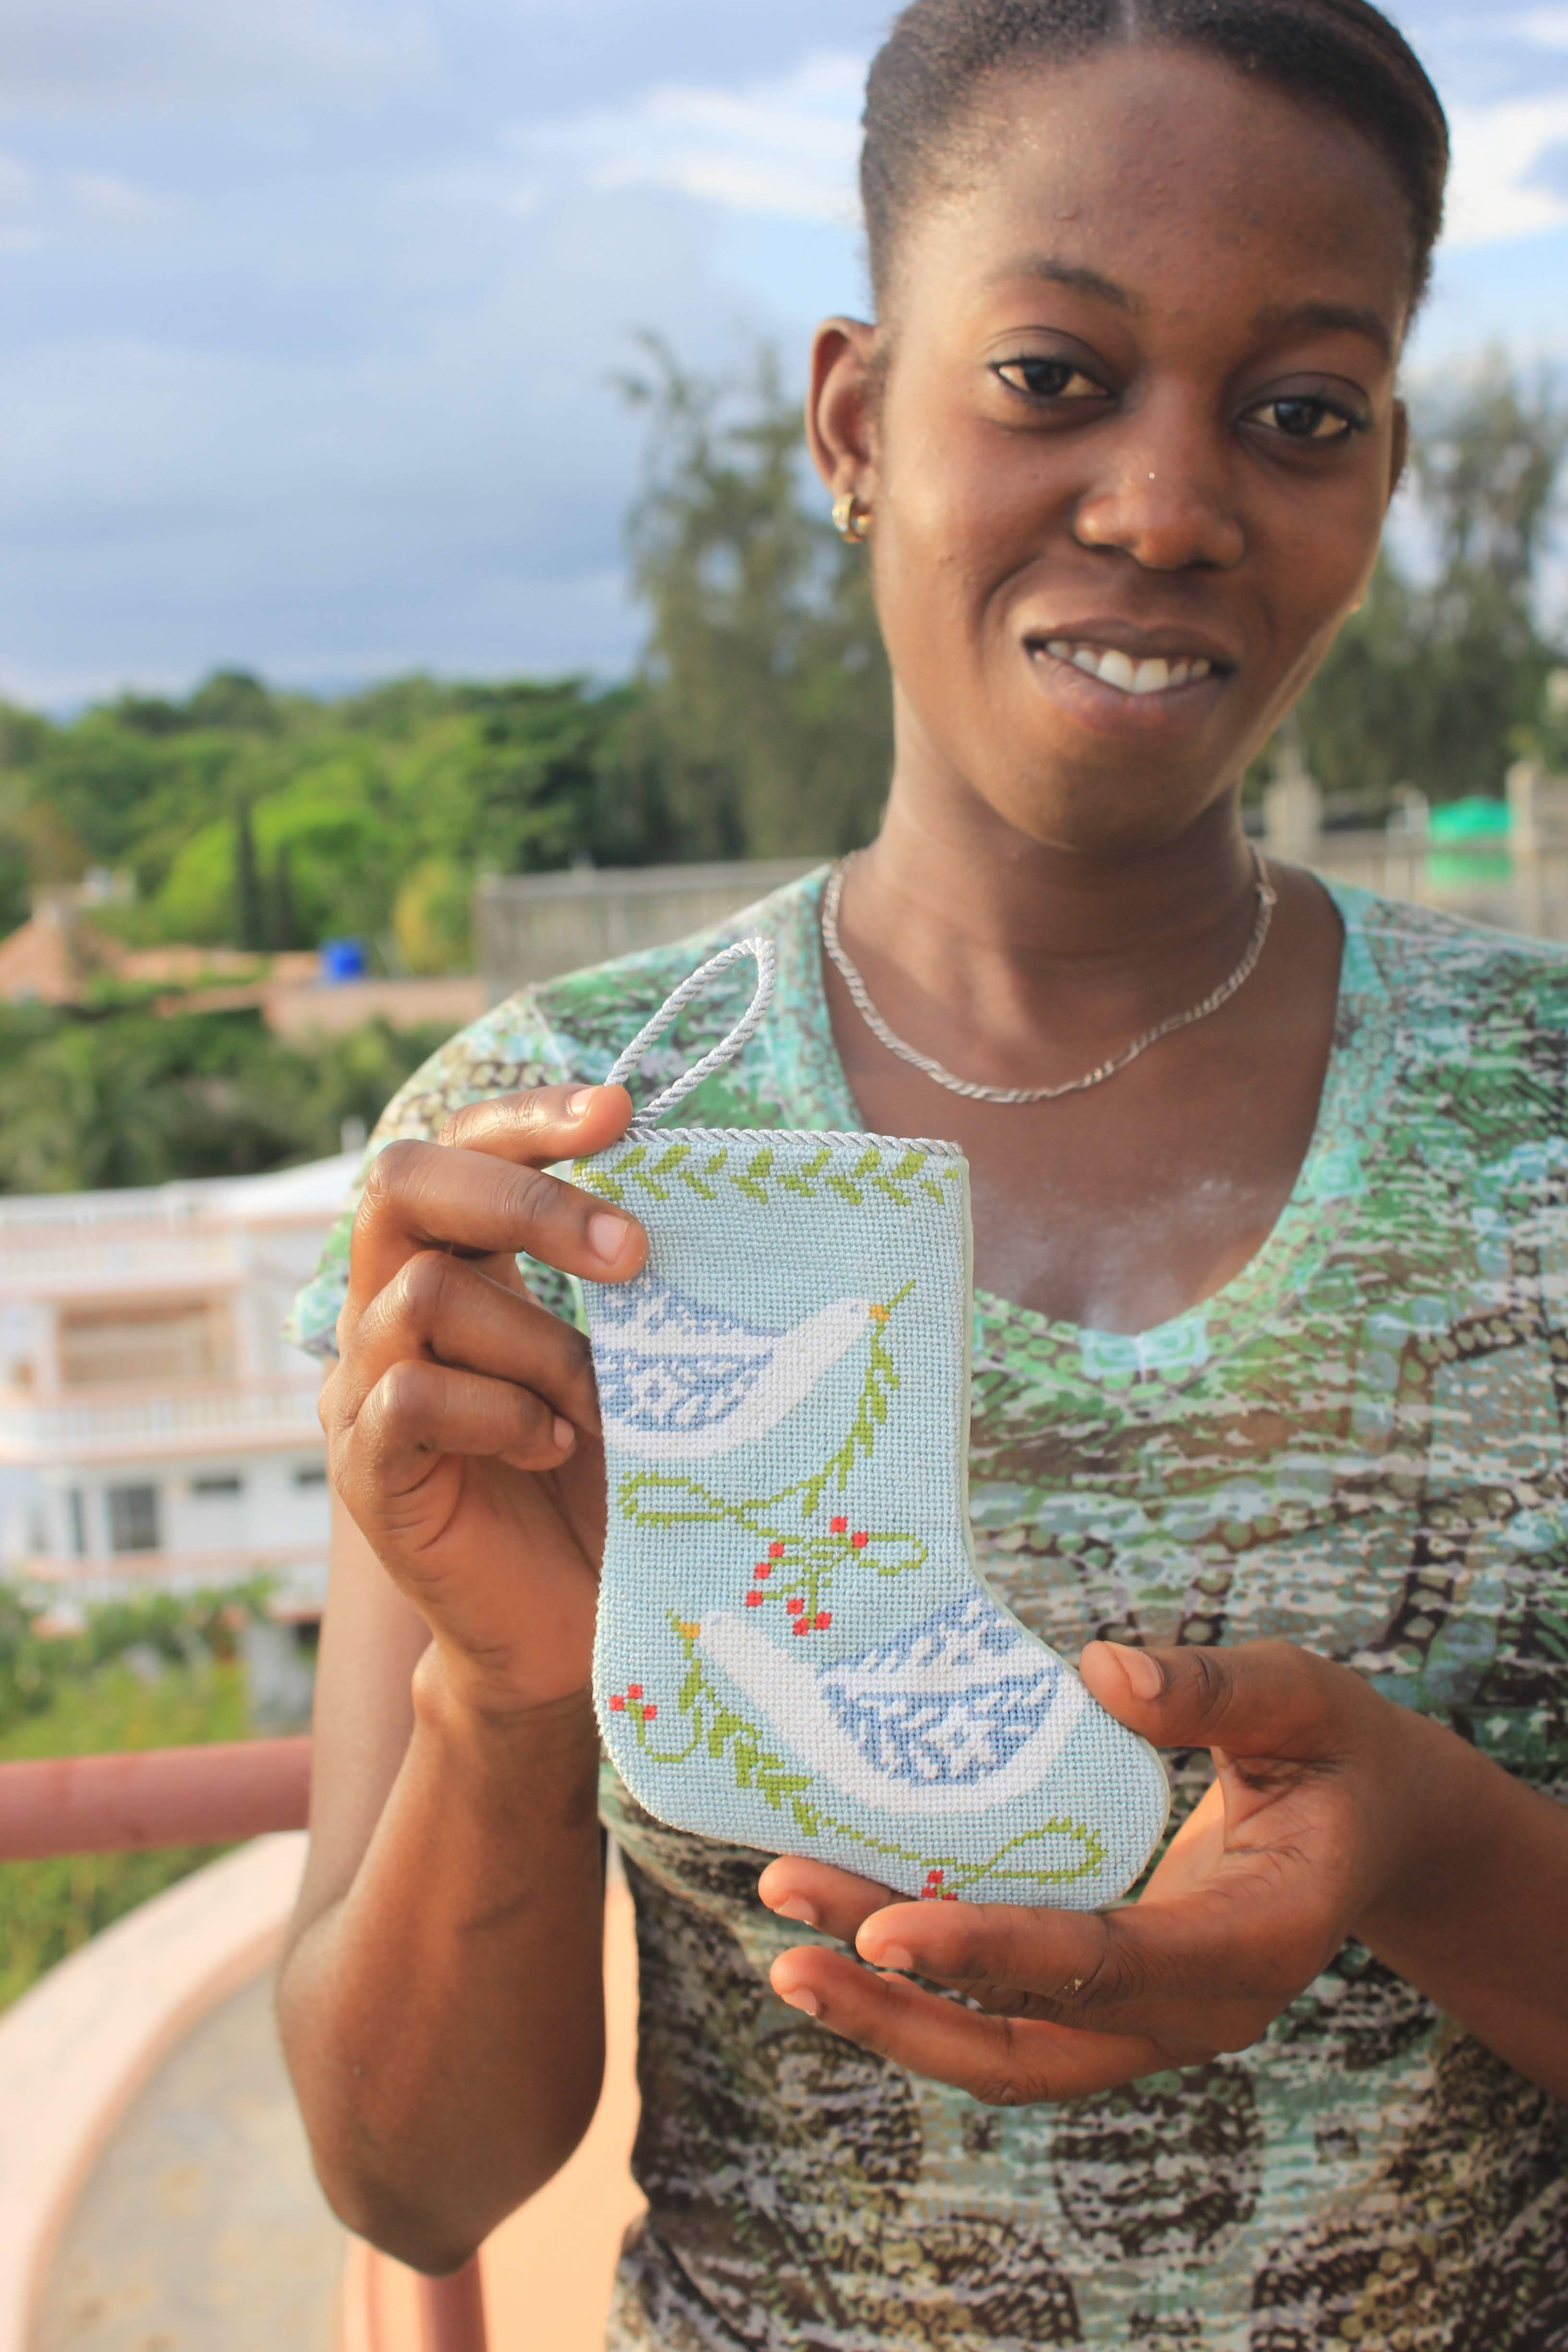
{"x":575,"y":1026}
{"x":1455,"y":1035}
{"x":1444,"y":967}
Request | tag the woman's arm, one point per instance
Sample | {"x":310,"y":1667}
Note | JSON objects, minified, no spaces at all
{"x":1333,"y":1814}
{"x":440,"y":1993}
{"x":440,"y":1997}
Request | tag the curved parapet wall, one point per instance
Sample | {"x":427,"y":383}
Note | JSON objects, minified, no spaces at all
{"x":76,"y":2049}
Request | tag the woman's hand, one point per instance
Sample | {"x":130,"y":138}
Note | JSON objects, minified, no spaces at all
{"x":1333,"y":1813}
{"x":461,"y":1418}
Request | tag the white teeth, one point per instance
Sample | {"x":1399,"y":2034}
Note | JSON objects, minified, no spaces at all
{"x":1113,"y":668}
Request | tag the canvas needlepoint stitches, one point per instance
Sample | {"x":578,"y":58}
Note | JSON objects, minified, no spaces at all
{"x":795,"y":1650}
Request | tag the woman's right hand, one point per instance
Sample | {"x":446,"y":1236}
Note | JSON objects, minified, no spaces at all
{"x":461,"y":1417}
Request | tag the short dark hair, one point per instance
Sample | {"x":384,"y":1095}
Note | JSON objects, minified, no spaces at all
{"x":1343,"y":55}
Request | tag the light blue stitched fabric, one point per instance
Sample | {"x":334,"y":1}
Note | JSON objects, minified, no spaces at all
{"x":795,"y":1650}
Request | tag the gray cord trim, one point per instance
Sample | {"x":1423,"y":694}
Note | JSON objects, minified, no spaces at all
{"x":765,"y":1136}
{"x":765,"y":956}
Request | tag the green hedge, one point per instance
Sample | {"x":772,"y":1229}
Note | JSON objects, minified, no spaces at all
{"x":160,"y":1672}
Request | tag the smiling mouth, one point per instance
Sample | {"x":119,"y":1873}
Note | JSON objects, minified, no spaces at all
{"x":1155,"y":674}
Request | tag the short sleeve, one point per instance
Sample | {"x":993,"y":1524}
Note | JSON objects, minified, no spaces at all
{"x":510,"y":1049}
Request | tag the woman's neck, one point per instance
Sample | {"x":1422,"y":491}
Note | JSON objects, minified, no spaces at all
{"x":1035,"y":953}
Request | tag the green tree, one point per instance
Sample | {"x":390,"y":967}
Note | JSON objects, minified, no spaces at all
{"x":126,"y":1097}
{"x":766,"y":714}
{"x":78,"y":1695}
{"x":1431,"y":682}
{"x":251,"y":922}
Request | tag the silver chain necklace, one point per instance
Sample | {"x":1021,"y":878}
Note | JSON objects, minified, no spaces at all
{"x":1266,"y":899}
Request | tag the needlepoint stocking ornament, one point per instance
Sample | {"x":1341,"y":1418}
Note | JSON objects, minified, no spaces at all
{"x":796,"y":1649}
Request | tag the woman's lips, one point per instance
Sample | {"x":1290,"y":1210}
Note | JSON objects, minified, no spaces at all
{"x":1116,"y":692}
{"x":1155,"y":673}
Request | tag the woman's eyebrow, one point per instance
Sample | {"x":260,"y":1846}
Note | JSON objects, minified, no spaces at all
{"x":1072,"y":274}
{"x":1299,"y":318}
{"x":1319,"y":318}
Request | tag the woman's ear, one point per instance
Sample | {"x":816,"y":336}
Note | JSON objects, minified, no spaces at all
{"x":1399,"y":449}
{"x":841,"y":406}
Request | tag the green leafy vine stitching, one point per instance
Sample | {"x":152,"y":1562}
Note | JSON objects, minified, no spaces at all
{"x":657,"y":1171}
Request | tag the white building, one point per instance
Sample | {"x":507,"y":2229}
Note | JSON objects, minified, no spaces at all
{"x":154,"y":1427}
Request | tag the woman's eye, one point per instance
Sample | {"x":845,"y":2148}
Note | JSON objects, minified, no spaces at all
{"x":1302,"y":419}
{"x":1044,"y":379}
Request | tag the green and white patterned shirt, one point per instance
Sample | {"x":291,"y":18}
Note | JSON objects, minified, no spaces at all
{"x":1356,"y":1445}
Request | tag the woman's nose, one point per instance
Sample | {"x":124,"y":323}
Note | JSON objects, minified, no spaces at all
{"x":1165,"y":501}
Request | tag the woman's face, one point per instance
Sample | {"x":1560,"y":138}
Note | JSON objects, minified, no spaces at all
{"x":1135,"y":440}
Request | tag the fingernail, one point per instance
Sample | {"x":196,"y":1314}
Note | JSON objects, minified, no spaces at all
{"x":564,"y":1431}
{"x":892,"y":1955}
{"x":608,"y":1237}
{"x":796,"y":1906}
{"x":1145,"y":1676}
{"x":803,"y":2000}
{"x":579,"y":1102}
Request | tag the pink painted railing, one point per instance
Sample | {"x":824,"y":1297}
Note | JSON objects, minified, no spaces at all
{"x":194,"y":1796}
{"x":158,"y":1796}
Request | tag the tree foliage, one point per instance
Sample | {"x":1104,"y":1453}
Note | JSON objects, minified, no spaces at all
{"x":159,"y":1671}
{"x":766,"y":712}
{"x":1432,"y":682}
{"x":264,"y":820}
{"x":125,"y":1096}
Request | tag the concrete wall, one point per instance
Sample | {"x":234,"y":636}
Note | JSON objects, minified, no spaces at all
{"x":529,"y":926}
{"x":532,"y":927}
{"x":1515,"y":881}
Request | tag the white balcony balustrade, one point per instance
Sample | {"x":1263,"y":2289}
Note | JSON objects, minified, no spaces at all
{"x":120,"y":1425}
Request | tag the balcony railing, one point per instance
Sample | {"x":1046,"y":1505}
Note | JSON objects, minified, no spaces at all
{"x":103,"y":1575}
{"x":111,"y":1421}
{"x":93,"y":1257}
{"x":195,"y":1796}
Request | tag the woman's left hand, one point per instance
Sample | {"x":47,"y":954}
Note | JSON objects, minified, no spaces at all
{"x":1334,"y":1812}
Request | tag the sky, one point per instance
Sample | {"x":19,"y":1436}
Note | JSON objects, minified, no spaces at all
{"x":313,"y":307}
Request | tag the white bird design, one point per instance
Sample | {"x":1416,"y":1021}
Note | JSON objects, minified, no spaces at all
{"x":679,"y":1381}
{"x":955,"y":1714}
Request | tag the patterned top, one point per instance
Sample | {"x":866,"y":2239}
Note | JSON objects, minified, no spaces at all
{"x":1356,"y":1445}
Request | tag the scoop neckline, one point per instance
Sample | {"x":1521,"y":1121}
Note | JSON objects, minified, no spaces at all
{"x":1328,"y":1185}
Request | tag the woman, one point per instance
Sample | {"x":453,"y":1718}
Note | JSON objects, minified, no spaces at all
{"x":1272,"y":1346}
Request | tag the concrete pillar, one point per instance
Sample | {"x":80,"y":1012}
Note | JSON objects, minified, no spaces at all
{"x":1292,"y":805}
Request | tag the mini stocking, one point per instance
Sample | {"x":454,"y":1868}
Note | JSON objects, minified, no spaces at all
{"x":796,"y":1649}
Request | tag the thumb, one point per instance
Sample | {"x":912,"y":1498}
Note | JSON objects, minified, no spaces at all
{"x":1260,"y":1698}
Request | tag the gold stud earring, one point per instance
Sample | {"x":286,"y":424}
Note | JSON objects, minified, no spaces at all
{"x":851,"y":520}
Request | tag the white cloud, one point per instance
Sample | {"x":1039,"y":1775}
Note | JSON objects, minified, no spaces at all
{"x":111,"y":201}
{"x":1501,"y":186}
{"x":1495,"y":191}
{"x":785,"y":147}
{"x":39,"y":207}
{"x":324,"y":507}
{"x":64,"y":54}
{"x":1544,"y":28}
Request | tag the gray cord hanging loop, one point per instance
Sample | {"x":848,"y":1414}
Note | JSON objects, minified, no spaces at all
{"x":766,"y":958}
